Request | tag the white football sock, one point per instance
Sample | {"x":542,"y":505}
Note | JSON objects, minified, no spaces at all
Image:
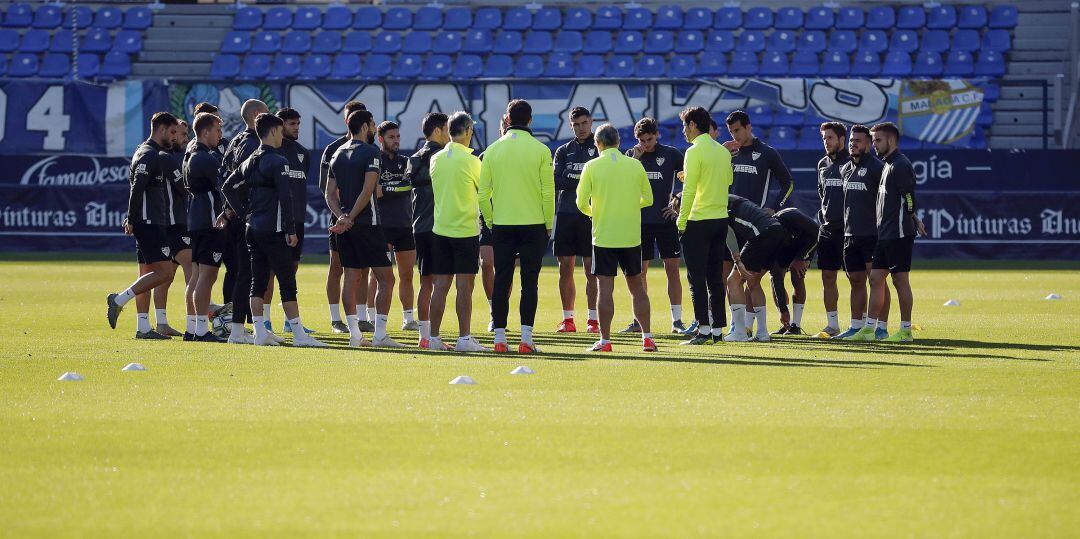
{"x":871,"y":322}
{"x":604,"y":341}
{"x":717,"y":332}
{"x":260,"y":328}
{"x":297,"y":328}
{"x":335,"y":312}
{"x":407,"y":315}
{"x":905,"y":325}
{"x":593,"y":315}
{"x":759,"y":314}
{"x":857,"y":324}
{"x":354,"y":327}
{"x":161,"y":317}
{"x":526,"y":334}
{"x":796,"y":313}
{"x":237,"y":328}
{"x":123,"y":297}
{"x":500,"y":335}
{"x":676,"y":313}
{"x":372,"y":313}
{"x":748,"y":318}
{"x":361,"y":313}
{"x":738,"y":317}
{"x":380,"y":326}
{"x":201,"y":325}
{"x":143,"y":322}
{"x":425,"y":329}
{"x":704,"y":329}
{"x":646,"y":335}
{"x":567,"y":314}
{"x":189,"y":326}
{"x":834,"y":319}
{"x":883,"y":324}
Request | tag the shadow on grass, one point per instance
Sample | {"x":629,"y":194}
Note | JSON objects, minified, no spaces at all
{"x":944,"y":348}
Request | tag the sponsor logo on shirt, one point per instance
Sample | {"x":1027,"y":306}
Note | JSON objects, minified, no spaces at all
{"x":746,"y":169}
{"x":855,"y":186}
{"x":295,"y":174}
{"x":834,"y":182}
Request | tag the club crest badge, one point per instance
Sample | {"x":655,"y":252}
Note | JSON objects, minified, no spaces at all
{"x":300,"y":156}
{"x":165,"y":251}
{"x":592,"y":152}
{"x":862,"y":172}
{"x":755,"y":155}
{"x":660,"y":161}
{"x":217,"y":257}
{"x":187,"y":240}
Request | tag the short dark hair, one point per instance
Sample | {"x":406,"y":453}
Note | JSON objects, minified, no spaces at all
{"x":860,"y":128}
{"x":288,"y":114}
{"x":266,"y":122}
{"x":356,"y":120}
{"x":577,"y":112}
{"x":739,"y":117}
{"x":887,"y":127}
{"x":459,"y":123}
{"x":353,"y":106}
{"x":697,"y":116}
{"x":204,"y":121}
{"x":646,"y":126}
{"x":433,"y":121}
{"x":204,"y":107}
{"x":162,"y":119}
{"x":836,"y":127}
{"x":520,"y":112}
{"x":386,"y":126}
{"x":713,"y":124}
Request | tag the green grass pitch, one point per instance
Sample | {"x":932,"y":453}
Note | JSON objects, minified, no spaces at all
{"x":973,"y":431}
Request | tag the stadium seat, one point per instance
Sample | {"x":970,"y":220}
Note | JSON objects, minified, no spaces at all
{"x":79,"y":16}
{"x":467,"y":66}
{"x":774,"y":64}
{"x":55,"y":66}
{"x":23,"y":65}
{"x":758,"y":18}
{"x":761,"y":115}
{"x":812,"y":41}
{"x":788,"y":18}
{"x":376,"y":66}
{"x":935,"y":41}
{"x":598,"y":42}
{"x":9,"y":40}
{"x":568,"y":41}
{"x":88,"y":65}
{"x":397,"y":18}
{"x":660,"y":42}
{"x":942,"y":17}
{"x":108,"y":17}
{"x":508,"y":42}
{"x":345,"y":66}
{"x":782,"y":138}
{"x":781,"y":41}
{"x":682,"y":66}
{"x":498,"y":66}
{"x":897,"y":64}
{"x":366,"y":18}
{"x":550,"y":19}
{"x":639,"y":18}
{"x":297,"y":42}
{"x":19,"y":15}
{"x":307,"y":18}
{"x":697,"y":18}
{"x":285,"y":66}
{"x":751,"y":41}
{"x":966,"y":40}
{"x":866,"y":64}
{"x":629,"y":42}
{"x":990,"y":64}
{"x":689,"y":42}
{"x":971,"y":17}
{"x":620,"y":66}
{"x":842,"y":41}
{"x":880,"y":18}
{"x":517,"y":18}
{"x":458,"y":18}
{"x":437,"y":66}
{"x":477,"y":41}
{"x":48,"y":16}
{"x":529,"y":66}
{"x":874,"y":41}
{"x":668,"y":17}
{"x":34,"y":40}
{"x":387,"y":42}
{"x":850,"y":18}
{"x":991,"y":92}
{"x":743,"y":64}
{"x":487,"y":18}
{"x":326,"y":42}
{"x":986,"y":115}
{"x":804,"y":63}
{"x":266,"y":42}
{"x":607,"y":18}
{"x":927,"y":64}
{"x":225,"y":66}
{"x":356,"y":42}
{"x":911,"y":17}
{"x":428,"y":18}
{"x":820,"y":18}
{"x":712,"y":65}
{"x":537,"y":42}
{"x":416,"y":43}
{"x":728,"y":18}
{"x":835,"y":64}
{"x":96,"y":40}
{"x":905,"y":41}
{"x":277,"y":18}
{"x":316,"y":66}
{"x":788,"y":117}
{"x":138,"y":18}
{"x":978,"y":139}
{"x":255,"y":66}
{"x":720,"y":41}
{"x":959,"y":64}
{"x":127,"y":42}
{"x":590,"y":66}
{"x":577,"y":18}
{"x":559,"y":65}
{"x":809,"y":139}
{"x":997,"y":40}
{"x":236,"y":42}
{"x":650,"y":66}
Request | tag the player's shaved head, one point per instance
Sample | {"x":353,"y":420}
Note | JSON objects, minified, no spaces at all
{"x":252,"y":108}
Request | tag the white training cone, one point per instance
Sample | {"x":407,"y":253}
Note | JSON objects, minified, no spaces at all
{"x":1054,"y":296}
{"x":523,"y":370}
{"x":462,"y":380}
{"x":133,"y":367}
{"x":71,"y":377}
{"x":952,"y":303}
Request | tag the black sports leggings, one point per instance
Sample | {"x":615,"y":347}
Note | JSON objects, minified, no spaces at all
{"x":703,"y":245}
{"x":269,"y":252}
{"x":527,"y":243}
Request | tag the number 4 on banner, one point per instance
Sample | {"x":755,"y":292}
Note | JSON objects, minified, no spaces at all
{"x":48,"y":115}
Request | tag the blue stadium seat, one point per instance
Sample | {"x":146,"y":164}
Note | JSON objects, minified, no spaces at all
{"x":788,"y":117}
{"x":255,"y":66}
{"x":23,"y":65}
{"x":905,"y":41}
{"x":820,"y":18}
{"x":866,"y":64}
{"x":235,"y":42}
{"x":668,"y":17}
{"x":991,"y":92}
{"x":990,"y":64}
{"x":437,"y":66}
{"x":728,"y":18}
{"x":935,"y":41}
{"x":19,"y":15}
{"x":487,"y":18}
{"x":639,"y":18}
{"x":911,"y":17}
{"x":607,"y":18}
{"x":397,"y":18}
{"x":34,"y":40}
{"x":48,"y":16}
{"x":712,"y":65}
{"x":458,"y":18}
{"x":467,"y":66}
{"x":277,"y":18}
{"x":843,"y":41}
{"x":761,"y":115}
{"x":598,"y":42}
{"x":550,"y":19}
{"x":942,"y":17}
{"x":138,"y":18}
{"x":517,"y":18}
{"x":577,"y":18}
{"x":774,"y":64}
{"x":62,"y":41}
{"x":366,"y":18}
{"x":781,"y":41}
{"x":108,"y":17}
{"x":416,"y":43}
{"x":758,"y":18}
{"x":89,"y":65}
{"x":128,"y":42}
{"x":986,"y":115}
{"x":79,"y":16}
{"x":225,"y":66}
{"x":788,"y":18}
{"x":897,"y":64}
{"x":689,"y":42}
{"x":809,"y":139}
{"x":620,"y":66}
{"x":96,"y":40}
{"x":751,"y":41}
{"x":927,"y":64}
{"x":285,"y":66}
{"x":629,"y":42}
{"x":997,"y":40}
{"x":326,"y":42}
{"x":959,"y":64}
{"x":569,"y":41}
{"x":345,"y":66}
{"x":376,"y":66}
{"x":966,"y":40}
{"x":682,"y":66}
{"x":590,"y":66}
{"x":55,"y":66}
{"x":307,"y":18}
{"x":356,"y":42}
{"x":812,"y":41}
{"x":880,"y":18}
{"x":537,"y":42}
{"x":9,"y":40}
{"x":529,"y":66}
{"x":498,"y":66}
{"x":559,"y":65}
{"x":660,"y":42}
{"x":650,"y":66}
{"x":743,"y":64}
{"x":971,"y":17}
{"x":782,"y":138}
{"x":477,"y":41}
{"x":509,"y":42}
{"x":978,"y":139}
{"x":850,"y":18}
{"x":266,"y":42}
{"x":874,"y":41}
{"x":428,"y":18}
{"x":804,"y":63}
{"x":697,"y":18}
{"x":316,"y":66}
{"x":835,"y":64}
{"x":297,"y":42}
{"x":387,"y":43}
{"x":720,"y":41}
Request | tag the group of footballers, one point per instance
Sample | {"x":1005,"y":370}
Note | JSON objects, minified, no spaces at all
{"x":451,"y":214}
